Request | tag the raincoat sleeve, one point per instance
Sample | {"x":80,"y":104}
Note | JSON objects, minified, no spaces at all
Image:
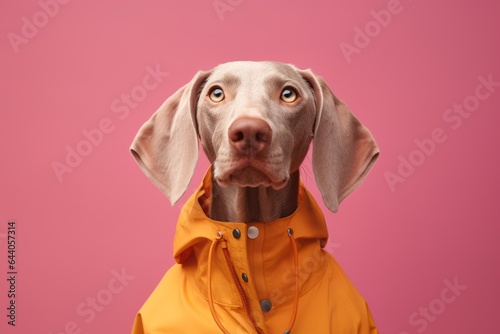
{"x":367,"y":326}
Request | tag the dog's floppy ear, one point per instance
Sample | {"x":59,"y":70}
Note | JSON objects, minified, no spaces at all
{"x":344,"y":150}
{"x":166,"y":146}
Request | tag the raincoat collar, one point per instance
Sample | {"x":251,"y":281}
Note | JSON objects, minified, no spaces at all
{"x":194,"y":226}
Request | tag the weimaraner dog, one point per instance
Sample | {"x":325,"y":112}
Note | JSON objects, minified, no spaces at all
{"x":256,"y":122}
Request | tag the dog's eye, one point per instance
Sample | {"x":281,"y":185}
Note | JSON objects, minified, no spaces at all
{"x":216,"y":94}
{"x":289,"y":95}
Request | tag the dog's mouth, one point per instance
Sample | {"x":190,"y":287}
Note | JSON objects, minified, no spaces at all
{"x":250,"y":176}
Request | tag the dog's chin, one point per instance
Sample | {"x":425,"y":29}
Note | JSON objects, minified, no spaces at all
{"x":251,"y":177}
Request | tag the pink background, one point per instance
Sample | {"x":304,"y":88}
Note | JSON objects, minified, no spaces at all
{"x":398,"y":245}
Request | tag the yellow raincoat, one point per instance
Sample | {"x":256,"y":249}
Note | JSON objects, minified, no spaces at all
{"x":253,"y":278}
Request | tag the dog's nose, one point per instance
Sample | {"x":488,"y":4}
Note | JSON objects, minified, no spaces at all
{"x":249,"y":136}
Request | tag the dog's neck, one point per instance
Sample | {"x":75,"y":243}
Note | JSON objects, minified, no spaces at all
{"x":254,"y":204}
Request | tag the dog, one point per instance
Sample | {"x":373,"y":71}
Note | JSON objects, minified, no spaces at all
{"x":249,"y":242}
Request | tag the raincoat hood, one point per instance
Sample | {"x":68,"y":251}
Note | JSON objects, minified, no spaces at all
{"x":272,"y":277}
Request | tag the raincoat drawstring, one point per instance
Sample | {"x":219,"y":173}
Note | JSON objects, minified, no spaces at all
{"x":209,"y":283}
{"x":296,"y":275}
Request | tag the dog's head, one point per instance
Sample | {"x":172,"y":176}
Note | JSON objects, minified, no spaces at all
{"x":255,"y":121}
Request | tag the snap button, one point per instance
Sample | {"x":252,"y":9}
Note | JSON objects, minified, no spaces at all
{"x":236,"y":233}
{"x":253,"y":232}
{"x":266,"y":305}
{"x":287,"y":331}
{"x":244,"y":277}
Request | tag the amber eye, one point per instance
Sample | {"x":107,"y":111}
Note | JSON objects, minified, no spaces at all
{"x":289,"y":95}
{"x":216,"y":94}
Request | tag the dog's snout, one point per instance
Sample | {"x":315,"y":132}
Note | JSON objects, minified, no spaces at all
{"x":249,"y":136}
